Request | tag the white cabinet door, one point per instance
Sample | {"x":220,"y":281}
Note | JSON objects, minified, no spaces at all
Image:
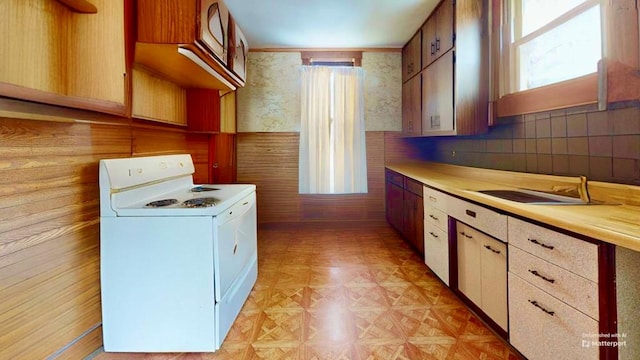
{"x":469,"y":263}
{"x":493,"y":259}
{"x":436,"y":251}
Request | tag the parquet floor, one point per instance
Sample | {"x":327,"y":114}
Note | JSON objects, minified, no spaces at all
{"x":347,"y":293}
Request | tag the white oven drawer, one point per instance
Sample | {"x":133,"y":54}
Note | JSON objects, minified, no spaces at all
{"x":574,"y":290}
{"x":542,"y":327}
{"x":575,"y":255}
{"x":481,"y":218}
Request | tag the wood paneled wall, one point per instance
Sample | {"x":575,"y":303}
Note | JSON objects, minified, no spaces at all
{"x":270,"y":160}
{"x":49,"y":225}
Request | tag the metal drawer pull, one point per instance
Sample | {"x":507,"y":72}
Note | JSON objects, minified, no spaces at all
{"x":433,"y":199}
{"x":433,"y":217}
{"x":535,"y":303}
{"x":465,"y":235}
{"x":434,"y":235}
{"x":471,"y":213}
{"x":534,"y":272}
{"x":541,"y":244}
{"x":492,"y":249}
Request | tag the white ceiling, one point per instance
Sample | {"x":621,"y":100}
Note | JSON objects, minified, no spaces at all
{"x":329,"y":23}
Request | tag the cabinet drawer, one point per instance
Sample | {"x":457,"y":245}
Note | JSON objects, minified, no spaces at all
{"x":436,"y":218}
{"x":413,"y":186}
{"x":575,"y":255}
{"x":436,"y":252}
{"x":542,"y":327}
{"x":395,"y":178}
{"x":572,"y":289}
{"x":435,"y":198}
{"x":479,"y":217}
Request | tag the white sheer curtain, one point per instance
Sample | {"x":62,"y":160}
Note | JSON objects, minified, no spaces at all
{"x":332,"y":131}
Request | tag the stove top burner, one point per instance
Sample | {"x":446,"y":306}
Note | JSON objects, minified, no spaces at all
{"x":200,"y":202}
{"x":161,"y":203}
{"x":203,"y":188}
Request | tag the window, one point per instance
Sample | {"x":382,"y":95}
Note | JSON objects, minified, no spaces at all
{"x":549,"y":55}
{"x":551,"y":41}
{"x":332,"y":131}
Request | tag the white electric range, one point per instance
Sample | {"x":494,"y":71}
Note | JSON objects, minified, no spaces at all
{"x":177,"y":260}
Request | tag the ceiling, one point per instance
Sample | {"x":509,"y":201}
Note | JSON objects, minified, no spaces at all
{"x":329,"y":23}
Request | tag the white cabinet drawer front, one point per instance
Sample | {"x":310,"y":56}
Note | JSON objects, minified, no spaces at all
{"x":542,"y":327}
{"x":575,"y":255}
{"x":436,"y":217}
{"x":572,"y":289}
{"x":436,"y":251}
{"x":479,"y":217}
{"x":435,"y":198}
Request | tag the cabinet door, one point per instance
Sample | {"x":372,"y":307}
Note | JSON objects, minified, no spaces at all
{"x":413,"y":220}
{"x":437,"y":96}
{"x":444,"y":28}
{"x":494,"y":279}
{"x":429,"y":41}
{"x":436,"y":251}
{"x":394,"y":205}
{"x":411,"y":63}
{"x":412,"y":106}
{"x":222,"y":159}
{"x":469,"y":275}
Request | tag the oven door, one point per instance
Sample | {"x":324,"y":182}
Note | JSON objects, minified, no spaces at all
{"x":235,"y":243}
{"x":213,"y":27}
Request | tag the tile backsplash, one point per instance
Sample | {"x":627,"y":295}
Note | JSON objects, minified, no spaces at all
{"x":603,"y":145}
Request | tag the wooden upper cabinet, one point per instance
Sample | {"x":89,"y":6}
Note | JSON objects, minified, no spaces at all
{"x":412,"y":106}
{"x":411,"y":64}
{"x":438,"y":33}
{"x":55,"y":55}
{"x":437,"y":96}
{"x":455,"y":77}
{"x":188,"y":42}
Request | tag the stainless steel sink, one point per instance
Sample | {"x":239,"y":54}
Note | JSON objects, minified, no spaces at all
{"x":534,"y":197}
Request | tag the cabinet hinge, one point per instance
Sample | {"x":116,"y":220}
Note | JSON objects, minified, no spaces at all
{"x":453,"y":38}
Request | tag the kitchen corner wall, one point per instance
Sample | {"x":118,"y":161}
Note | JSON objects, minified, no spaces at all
{"x":268,"y":138}
{"x":603,"y":145}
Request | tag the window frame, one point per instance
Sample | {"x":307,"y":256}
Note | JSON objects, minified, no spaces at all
{"x":583,"y":90}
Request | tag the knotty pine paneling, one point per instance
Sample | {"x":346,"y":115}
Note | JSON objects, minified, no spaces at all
{"x":270,"y":160}
{"x":50,"y":221}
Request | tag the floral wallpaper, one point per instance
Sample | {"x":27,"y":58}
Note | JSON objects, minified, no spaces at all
{"x":270,"y":100}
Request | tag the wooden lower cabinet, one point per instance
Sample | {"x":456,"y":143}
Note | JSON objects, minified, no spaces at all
{"x":482,"y":272}
{"x":412,"y":221}
{"x":395,"y":205}
{"x":404,"y":208}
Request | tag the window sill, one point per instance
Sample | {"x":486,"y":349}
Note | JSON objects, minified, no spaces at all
{"x":574,"y":92}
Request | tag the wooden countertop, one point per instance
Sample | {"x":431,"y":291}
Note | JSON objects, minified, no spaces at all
{"x":618,"y":224}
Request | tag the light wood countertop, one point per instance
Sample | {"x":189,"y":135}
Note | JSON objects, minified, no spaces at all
{"x":618,"y":224}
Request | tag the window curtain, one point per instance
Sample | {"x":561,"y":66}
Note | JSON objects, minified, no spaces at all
{"x":332,"y":131}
